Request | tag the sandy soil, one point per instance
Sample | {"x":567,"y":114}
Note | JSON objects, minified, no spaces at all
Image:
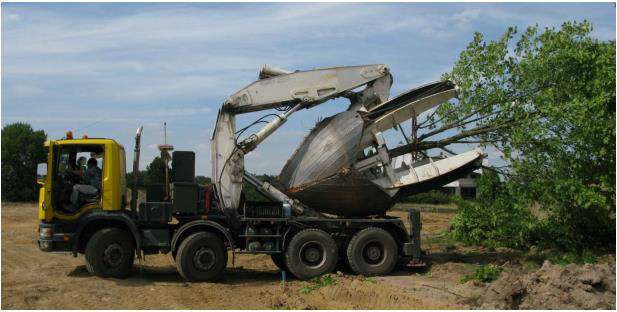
{"x":32,"y":279}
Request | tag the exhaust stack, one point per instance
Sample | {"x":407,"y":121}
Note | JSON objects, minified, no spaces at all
{"x":136,"y":171}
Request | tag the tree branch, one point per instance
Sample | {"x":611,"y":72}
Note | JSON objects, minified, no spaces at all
{"x":401,"y":150}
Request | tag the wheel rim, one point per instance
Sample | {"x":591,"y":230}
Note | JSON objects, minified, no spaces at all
{"x":374,"y":253}
{"x":312,"y":254}
{"x":204,"y":259}
{"x":113,"y":255}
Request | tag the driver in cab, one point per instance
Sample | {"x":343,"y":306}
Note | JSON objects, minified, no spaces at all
{"x":92,"y":179}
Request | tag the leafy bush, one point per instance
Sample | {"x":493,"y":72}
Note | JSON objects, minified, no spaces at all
{"x":485,"y":274}
{"x":494,"y":219}
{"x":502,"y":224}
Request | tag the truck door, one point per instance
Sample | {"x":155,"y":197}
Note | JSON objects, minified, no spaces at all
{"x":44,"y":177}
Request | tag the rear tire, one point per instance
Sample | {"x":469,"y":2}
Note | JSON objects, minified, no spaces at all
{"x":311,"y":253}
{"x":202,"y":257}
{"x":372,"y":251}
{"x":110,"y":252}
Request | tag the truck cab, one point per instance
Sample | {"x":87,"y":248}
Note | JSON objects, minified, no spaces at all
{"x":64,"y":171}
{"x":63,"y":216}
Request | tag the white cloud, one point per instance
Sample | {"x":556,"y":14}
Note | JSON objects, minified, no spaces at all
{"x":465,"y":17}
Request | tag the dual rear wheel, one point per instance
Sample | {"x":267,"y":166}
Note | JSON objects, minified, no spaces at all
{"x":372,"y":251}
{"x":313,"y":252}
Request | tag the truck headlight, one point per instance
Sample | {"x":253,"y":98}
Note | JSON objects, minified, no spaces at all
{"x":46,"y":232}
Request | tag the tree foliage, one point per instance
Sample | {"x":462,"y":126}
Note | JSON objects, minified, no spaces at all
{"x":547,"y":102}
{"x":22,"y":150}
{"x":140,"y":179}
{"x":155,"y":172}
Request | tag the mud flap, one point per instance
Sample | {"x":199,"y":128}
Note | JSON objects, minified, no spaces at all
{"x":413,"y":249}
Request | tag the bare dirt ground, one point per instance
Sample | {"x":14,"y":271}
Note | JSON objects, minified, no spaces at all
{"x":32,"y":279}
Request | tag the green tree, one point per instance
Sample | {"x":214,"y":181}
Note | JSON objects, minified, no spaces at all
{"x":155,"y":172}
{"x":489,"y":187}
{"x":22,"y":150}
{"x":141,"y":175}
{"x":548,"y":103}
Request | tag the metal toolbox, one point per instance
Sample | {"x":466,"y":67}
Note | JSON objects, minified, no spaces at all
{"x":187,"y":199}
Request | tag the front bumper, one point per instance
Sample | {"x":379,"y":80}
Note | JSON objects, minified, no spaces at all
{"x":52,"y":238}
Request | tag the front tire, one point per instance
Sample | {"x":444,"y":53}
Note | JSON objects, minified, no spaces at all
{"x":372,"y":251}
{"x":202,"y":257}
{"x":311,"y":253}
{"x":110,"y":252}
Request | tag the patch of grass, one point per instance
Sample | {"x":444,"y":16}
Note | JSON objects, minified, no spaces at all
{"x":585,"y":256}
{"x":407,"y":206}
{"x":485,"y":274}
{"x":368,"y":279}
{"x":318,"y":282}
{"x":444,"y":241}
{"x":532,"y":266}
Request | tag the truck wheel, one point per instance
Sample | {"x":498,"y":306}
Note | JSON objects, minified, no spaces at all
{"x":279,"y":261}
{"x":372,"y":251}
{"x":311,"y":253}
{"x":201,"y":257}
{"x":110,"y":253}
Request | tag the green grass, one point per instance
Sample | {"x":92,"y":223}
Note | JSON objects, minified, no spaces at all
{"x":485,"y":274}
{"x":566,"y":258}
{"x":318,"y":282}
{"x":443,"y":239}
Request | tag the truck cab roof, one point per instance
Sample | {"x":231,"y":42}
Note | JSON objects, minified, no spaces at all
{"x":103,"y":141}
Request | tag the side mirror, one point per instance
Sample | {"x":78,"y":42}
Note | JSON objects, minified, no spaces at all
{"x":41,"y":173}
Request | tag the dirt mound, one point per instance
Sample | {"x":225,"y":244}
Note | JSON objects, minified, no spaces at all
{"x":347,"y":292}
{"x":553,"y":287}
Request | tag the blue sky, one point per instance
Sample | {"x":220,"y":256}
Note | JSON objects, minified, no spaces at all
{"x":105,"y":69}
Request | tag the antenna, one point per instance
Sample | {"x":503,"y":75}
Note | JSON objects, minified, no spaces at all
{"x":166,"y":156}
